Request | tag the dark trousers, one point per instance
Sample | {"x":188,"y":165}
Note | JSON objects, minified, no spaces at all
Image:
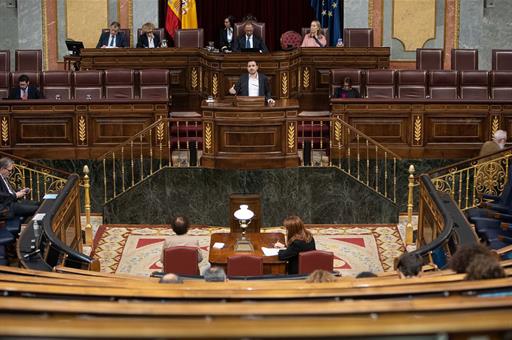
{"x":24,"y":208}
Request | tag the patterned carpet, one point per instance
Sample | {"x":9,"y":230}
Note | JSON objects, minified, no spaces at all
{"x":135,"y":249}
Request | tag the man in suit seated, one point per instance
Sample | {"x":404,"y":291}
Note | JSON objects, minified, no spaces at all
{"x":12,"y":199}
{"x":180,"y":226}
{"x":253,"y":84}
{"x":249,"y":40}
{"x":148,"y":39}
{"x":113,"y":38}
{"x":24,"y":90}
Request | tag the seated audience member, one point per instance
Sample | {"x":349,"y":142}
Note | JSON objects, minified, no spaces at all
{"x":347,"y":91}
{"x":12,"y":199}
{"x":113,"y":38}
{"x":299,"y":240}
{"x":249,"y":40}
{"x":24,"y":90}
{"x":320,"y":276}
{"x":483,"y":267}
{"x":148,"y":39}
{"x":314,"y":38}
{"x":180,"y":226}
{"x":171,"y":278}
{"x":460,"y":261}
{"x":363,"y":275}
{"x":214,"y":274}
{"x":409,"y":265}
{"x":499,"y":139}
{"x":226,"y":34}
{"x":253,"y":83}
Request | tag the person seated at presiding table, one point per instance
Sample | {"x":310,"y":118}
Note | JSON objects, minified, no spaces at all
{"x":249,"y":40}
{"x":226,"y":34}
{"x":253,"y":84}
{"x":10,"y":198}
{"x":180,"y":226}
{"x":314,"y":38}
{"x":298,"y":240}
{"x":347,"y":91}
{"x":113,"y":38}
{"x":24,"y":90}
{"x":148,"y":39}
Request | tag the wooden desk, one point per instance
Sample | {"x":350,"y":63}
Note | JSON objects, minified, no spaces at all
{"x":250,"y":137}
{"x":271,"y":264}
{"x":194,"y":73}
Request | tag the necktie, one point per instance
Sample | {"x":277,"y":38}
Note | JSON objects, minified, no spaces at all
{"x":112,"y":40}
{"x":24,"y":94}
{"x":247,"y":43}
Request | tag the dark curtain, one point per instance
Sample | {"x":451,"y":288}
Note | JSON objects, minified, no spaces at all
{"x":279,"y":16}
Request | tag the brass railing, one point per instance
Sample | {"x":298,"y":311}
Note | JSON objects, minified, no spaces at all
{"x":468,"y":180}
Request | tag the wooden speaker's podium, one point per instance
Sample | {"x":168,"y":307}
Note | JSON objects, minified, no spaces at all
{"x":244,"y":134}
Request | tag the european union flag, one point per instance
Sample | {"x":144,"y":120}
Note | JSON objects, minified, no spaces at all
{"x":329,"y":13}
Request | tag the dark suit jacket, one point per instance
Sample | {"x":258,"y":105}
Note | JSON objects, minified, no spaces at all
{"x":257,"y":43}
{"x":121,"y":40}
{"x":143,"y":41}
{"x":33,"y":93}
{"x":291,"y":254}
{"x":6,"y":198}
{"x":223,"y":40}
{"x":242,"y":86}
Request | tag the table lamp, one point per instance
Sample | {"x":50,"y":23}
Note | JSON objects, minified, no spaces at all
{"x":244,"y":216}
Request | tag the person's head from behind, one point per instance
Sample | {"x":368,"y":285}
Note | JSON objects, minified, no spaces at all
{"x":6,"y":167}
{"x":347,"y":83}
{"x":214,"y":274}
{"x":248,"y":29}
{"x":252,"y":67}
{"x":363,"y":275}
{"x":500,"y":138}
{"x":23,"y":81}
{"x":229,"y":21}
{"x":315,"y":28}
{"x":180,"y":225}
{"x":295,"y":229}
{"x":409,"y":265}
{"x":148,"y":29}
{"x":114,"y":27}
{"x":461,"y":259}
{"x":171,"y":278}
{"x":319,"y":276}
{"x":484,"y":267}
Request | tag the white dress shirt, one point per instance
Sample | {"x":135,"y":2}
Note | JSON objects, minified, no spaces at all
{"x":111,"y":41}
{"x":229,"y":34}
{"x":254,"y":86}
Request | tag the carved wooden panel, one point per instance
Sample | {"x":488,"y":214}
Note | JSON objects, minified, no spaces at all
{"x":41,"y":131}
{"x":455,"y":130}
{"x":249,"y":138}
{"x":384,"y":130}
{"x":115,"y":130}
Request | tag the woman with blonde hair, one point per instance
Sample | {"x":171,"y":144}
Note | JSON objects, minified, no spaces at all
{"x":148,"y":38}
{"x":299,"y":240}
{"x":314,"y":38}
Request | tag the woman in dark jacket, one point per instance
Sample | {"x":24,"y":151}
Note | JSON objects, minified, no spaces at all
{"x":227,"y":34}
{"x":299,"y":240}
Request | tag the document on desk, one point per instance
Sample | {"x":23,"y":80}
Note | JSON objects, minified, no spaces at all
{"x":270,"y":251}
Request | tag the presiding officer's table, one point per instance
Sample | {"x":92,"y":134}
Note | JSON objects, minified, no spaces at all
{"x":250,"y":137}
{"x":271,"y":264}
{"x":194,"y":72}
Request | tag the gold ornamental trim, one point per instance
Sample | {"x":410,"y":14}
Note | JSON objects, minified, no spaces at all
{"x":81,"y":130}
{"x":495,"y":125}
{"x":215,"y":84}
{"x":291,"y":137}
{"x":417,"y":129}
{"x":208,"y":137}
{"x":5,"y":131}
{"x":194,"y":78}
{"x":306,"y":76}
{"x":160,"y":132}
{"x":337,"y":132}
{"x":284,"y":83}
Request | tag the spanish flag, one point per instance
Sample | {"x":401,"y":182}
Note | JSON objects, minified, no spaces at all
{"x":180,"y":13}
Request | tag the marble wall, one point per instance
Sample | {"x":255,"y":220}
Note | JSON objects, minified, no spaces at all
{"x":355,"y":13}
{"x":318,"y":195}
{"x":8,"y":27}
{"x":143,"y":11}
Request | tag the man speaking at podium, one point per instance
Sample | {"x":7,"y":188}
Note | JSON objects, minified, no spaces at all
{"x":253,"y":84}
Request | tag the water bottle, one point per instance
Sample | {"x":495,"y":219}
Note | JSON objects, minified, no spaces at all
{"x":339,"y":43}
{"x":37,"y":231}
